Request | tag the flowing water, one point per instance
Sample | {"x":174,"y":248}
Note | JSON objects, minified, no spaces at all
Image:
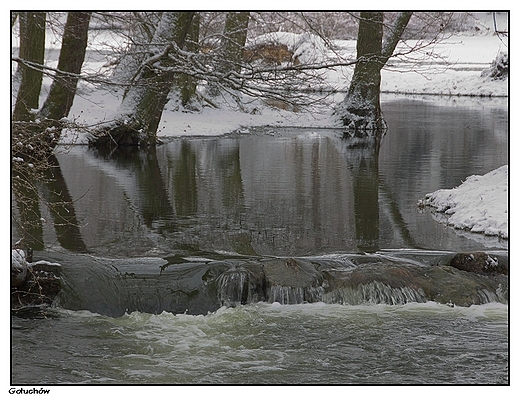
{"x":275,"y":256}
{"x":416,"y":343}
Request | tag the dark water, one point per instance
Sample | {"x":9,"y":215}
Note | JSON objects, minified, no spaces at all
{"x":285,"y":192}
{"x":157,"y":230}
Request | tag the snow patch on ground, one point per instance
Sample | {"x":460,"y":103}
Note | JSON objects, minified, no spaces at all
{"x":455,"y":70}
{"x":479,"y":204}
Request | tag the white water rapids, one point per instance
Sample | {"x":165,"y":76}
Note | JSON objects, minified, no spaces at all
{"x":414,"y":343}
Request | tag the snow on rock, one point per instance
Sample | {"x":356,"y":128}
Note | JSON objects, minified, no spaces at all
{"x":310,"y":48}
{"x":18,"y":259}
{"x":41,"y":263}
{"x":18,"y":267}
{"x":479,"y":204}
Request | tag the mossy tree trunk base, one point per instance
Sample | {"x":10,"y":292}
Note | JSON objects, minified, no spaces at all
{"x":360,"y":112}
{"x":122,"y":134}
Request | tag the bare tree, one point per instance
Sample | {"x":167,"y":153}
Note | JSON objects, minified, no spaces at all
{"x":32,"y":51}
{"x":144,"y":100}
{"x":188,"y":84}
{"x":361,"y":109}
{"x":229,"y":54}
{"x":170,"y":55}
{"x":72,"y":54}
{"x":45,"y":133}
{"x":32,"y":143}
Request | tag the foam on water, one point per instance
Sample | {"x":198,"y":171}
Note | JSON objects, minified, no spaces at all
{"x":271,"y":343}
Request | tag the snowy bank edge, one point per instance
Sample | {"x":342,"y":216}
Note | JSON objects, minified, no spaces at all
{"x":479,"y":204}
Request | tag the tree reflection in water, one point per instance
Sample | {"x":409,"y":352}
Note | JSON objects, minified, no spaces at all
{"x":291,"y":193}
{"x":51,"y":191}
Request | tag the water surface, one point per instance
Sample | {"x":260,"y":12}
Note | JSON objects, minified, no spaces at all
{"x":286,"y":191}
{"x":269,"y":344}
{"x":142,"y":216}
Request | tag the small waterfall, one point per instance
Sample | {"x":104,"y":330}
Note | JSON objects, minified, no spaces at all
{"x":115,"y":286}
{"x":379,"y":293}
{"x":502,"y":293}
{"x":487,"y":296}
{"x":237,"y":286}
{"x":286,"y":295}
{"x":375,"y":293}
{"x":295,"y":295}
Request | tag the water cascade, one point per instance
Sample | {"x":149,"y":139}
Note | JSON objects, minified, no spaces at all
{"x":113,"y":287}
{"x":239,"y":285}
{"x":375,"y":293}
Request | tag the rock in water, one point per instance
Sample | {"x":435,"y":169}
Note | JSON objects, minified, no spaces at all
{"x":18,"y":268}
{"x":478,"y":262}
{"x":292,"y":281}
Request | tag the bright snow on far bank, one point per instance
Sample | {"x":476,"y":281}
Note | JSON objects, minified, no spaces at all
{"x":453,"y":67}
{"x":479,"y":204}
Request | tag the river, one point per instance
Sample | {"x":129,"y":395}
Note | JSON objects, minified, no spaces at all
{"x":177,"y":262}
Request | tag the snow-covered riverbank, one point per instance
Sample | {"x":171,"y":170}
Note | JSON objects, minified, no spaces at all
{"x":464,"y":58}
{"x":479,"y":204}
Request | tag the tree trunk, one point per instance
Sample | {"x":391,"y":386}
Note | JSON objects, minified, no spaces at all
{"x":32,"y":50}
{"x":14,"y":16}
{"x":144,"y":101}
{"x":72,"y":54}
{"x":188,"y":84}
{"x":232,"y":44}
{"x":395,"y":34}
{"x":234,"y":40}
{"x":361,"y":109}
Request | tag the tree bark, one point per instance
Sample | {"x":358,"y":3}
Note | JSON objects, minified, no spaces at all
{"x":32,"y":50}
{"x":232,"y":44}
{"x":188,"y":84}
{"x":143,"y":102}
{"x":361,"y":109}
{"x":234,"y":40}
{"x":396,"y":32}
{"x":72,"y":54}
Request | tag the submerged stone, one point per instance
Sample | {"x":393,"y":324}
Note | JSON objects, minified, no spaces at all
{"x":292,"y":281}
{"x":114,"y":287}
{"x":397,"y":283}
{"x":478,"y":262}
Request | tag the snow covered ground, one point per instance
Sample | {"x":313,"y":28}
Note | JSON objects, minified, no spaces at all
{"x":455,"y":69}
{"x":479,"y":204}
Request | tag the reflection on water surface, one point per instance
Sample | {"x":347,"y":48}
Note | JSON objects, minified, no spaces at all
{"x":288,"y":192}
